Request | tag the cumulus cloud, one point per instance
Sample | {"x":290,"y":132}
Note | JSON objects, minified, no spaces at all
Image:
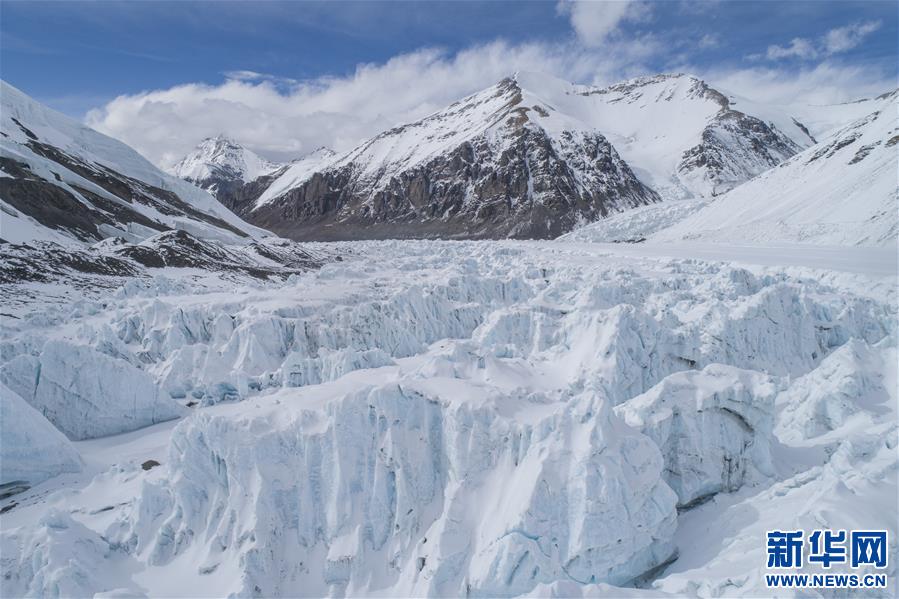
{"x":594,"y":22}
{"x":840,"y":39}
{"x":798,"y":48}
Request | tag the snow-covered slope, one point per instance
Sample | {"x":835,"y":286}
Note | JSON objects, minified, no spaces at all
{"x":295,"y":173}
{"x":62,"y":180}
{"x":500,"y":163}
{"x":85,"y":211}
{"x":823,"y":120}
{"x":685,"y":138}
{"x":219,"y":165}
{"x":841,"y":191}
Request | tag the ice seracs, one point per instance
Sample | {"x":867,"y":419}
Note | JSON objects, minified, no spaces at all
{"x":87,"y":394}
{"x":849,"y":382}
{"x":439,"y":418}
{"x":714,"y":428}
{"x":430,"y":418}
{"x":398,"y":489}
{"x":32,"y":450}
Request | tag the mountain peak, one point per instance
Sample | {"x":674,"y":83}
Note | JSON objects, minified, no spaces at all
{"x":221,"y":161}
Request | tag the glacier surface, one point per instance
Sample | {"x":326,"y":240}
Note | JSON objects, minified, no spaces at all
{"x":453,"y":418}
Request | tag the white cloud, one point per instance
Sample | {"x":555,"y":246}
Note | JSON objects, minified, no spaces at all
{"x":799,"y":48}
{"x":244,"y":75}
{"x":595,"y":21}
{"x":846,"y":38}
{"x":833,"y":42}
{"x":283,"y":122}
{"x":283,"y":119}
{"x":822,"y":84}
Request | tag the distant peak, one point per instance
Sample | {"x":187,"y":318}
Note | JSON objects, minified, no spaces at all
{"x":219,"y":139}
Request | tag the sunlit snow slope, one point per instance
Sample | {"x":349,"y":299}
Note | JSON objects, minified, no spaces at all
{"x":86,"y":213}
{"x":64,"y":181}
{"x":219,"y":165}
{"x":530,"y":157}
{"x":841,"y":191}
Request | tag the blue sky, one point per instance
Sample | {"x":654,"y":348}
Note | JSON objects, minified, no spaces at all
{"x":76,"y":56}
{"x":285,"y":77}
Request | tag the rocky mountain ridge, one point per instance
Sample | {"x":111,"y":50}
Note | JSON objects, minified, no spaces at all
{"x":530,"y":157}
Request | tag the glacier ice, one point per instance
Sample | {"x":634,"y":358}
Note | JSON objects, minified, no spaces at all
{"x":61,"y":557}
{"x":85,"y":393}
{"x":847,"y":382}
{"x":713,"y":426}
{"x":412,"y":491}
{"x":431,"y":418}
{"x":32,"y":450}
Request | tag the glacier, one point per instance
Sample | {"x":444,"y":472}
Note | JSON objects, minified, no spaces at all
{"x":33,"y":450}
{"x":434,"y":418}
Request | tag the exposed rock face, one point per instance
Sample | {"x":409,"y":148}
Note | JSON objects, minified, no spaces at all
{"x":840,"y":191}
{"x":113,"y":261}
{"x":530,"y":157}
{"x":67,"y":183}
{"x":501,"y":163}
{"x":735,"y":147}
{"x":660,"y":119}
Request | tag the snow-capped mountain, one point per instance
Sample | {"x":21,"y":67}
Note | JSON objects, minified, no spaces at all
{"x":503,"y":162}
{"x":78,"y":205}
{"x":841,"y":191}
{"x":64,"y":181}
{"x":685,"y":138}
{"x":220,"y":165}
{"x":243,"y":198}
{"x":529,"y":157}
